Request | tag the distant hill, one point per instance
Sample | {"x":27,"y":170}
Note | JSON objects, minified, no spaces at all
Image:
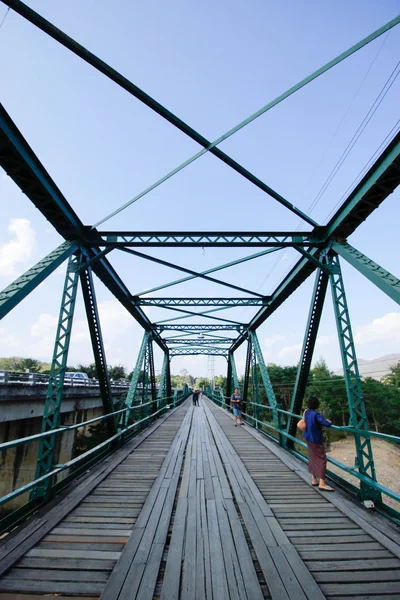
{"x":377,"y":367}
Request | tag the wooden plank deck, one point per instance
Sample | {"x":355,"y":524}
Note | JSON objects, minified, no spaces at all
{"x":346,"y":554}
{"x":76,"y":556}
{"x":205,"y":510}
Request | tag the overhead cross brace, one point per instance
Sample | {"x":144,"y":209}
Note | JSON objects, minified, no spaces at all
{"x":231,"y":302}
{"x":384,"y":280}
{"x":196,"y":239}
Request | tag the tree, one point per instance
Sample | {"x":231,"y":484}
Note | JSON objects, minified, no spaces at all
{"x":117,"y":372}
{"x":28,"y":364}
{"x":394,"y":377}
{"x":91,"y":370}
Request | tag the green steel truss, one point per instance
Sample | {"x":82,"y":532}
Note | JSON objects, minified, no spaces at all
{"x":205,"y":239}
{"x":96,"y":337}
{"x":358,"y":416}
{"x":310,"y":337}
{"x":318,"y":249}
{"x":26,"y":283}
{"x":196,"y":351}
{"x":385,"y":281}
{"x":225,"y":302}
{"x":258,"y":358}
{"x":51,"y":413}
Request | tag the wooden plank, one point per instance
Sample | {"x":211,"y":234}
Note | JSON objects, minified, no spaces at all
{"x":40,"y":552}
{"x":73,"y":564}
{"x":354,"y":565}
{"x":200,"y":570}
{"x":50,"y":587}
{"x":57,"y":575}
{"x":149,"y":579}
{"x":19,"y":542}
{"x":356,"y":589}
{"x":358,"y":576}
{"x":218,"y":574}
{"x":172,"y":575}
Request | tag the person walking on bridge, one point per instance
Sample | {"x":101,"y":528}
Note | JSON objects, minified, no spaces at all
{"x":236,"y":404}
{"x":195,"y":398}
{"x":315,"y":444}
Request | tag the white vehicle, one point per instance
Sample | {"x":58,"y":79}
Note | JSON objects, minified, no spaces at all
{"x":72,"y":378}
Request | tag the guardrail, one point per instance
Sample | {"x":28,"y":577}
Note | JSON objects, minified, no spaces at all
{"x":281,"y":436}
{"x":147,"y":412}
{"x":13,"y":377}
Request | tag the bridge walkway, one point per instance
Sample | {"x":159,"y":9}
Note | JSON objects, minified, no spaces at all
{"x":197,"y":508}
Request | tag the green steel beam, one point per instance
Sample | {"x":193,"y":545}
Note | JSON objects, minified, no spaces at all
{"x":197,"y":327}
{"x":192,"y":351}
{"x":247,"y":370}
{"x":22,"y":165}
{"x":195,"y":314}
{"x":134,"y":90}
{"x":14,"y":293}
{"x":199,"y":341}
{"x":92,"y":314}
{"x":380,"y":181}
{"x":163,"y":389}
{"x":313,"y":259}
{"x":136,"y":372}
{"x":167,"y":302}
{"x":265,"y":376}
{"x":385,"y":281}
{"x":51,"y":413}
{"x":358,"y":415}
{"x":185,"y":270}
{"x":195,"y":239}
{"x":310,"y":337}
{"x":208,"y":271}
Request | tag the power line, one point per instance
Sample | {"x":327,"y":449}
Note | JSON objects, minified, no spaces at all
{"x":4,"y":18}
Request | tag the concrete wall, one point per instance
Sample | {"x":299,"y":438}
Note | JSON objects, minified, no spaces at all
{"x":21,"y":416}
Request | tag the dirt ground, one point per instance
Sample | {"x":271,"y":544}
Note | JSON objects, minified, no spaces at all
{"x":387,"y":464}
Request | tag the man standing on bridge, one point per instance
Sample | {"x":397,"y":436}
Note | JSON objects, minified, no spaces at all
{"x":236,"y":403}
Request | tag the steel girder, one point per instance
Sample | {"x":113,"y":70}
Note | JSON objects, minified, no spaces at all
{"x":384,"y":280}
{"x":380,"y":181}
{"x":247,"y":372}
{"x":199,"y":342}
{"x":358,"y":415}
{"x":136,"y":373}
{"x":232,"y":378}
{"x":193,"y":351}
{"x":202,"y":239}
{"x":231,"y":302}
{"x":163,"y":389}
{"x":92,"y":315}
{"x":51,"y":413}
{"x":310,"y":337}
{"x":265,"y":376}
{"x":198,"y":327}
{"x":23,"y":166}
{"x":14,"y":293}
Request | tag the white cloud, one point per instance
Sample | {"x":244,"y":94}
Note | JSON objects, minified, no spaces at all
{"x":273,"y":339}
{"x":325,"y":340}
{"x":44,"y":329}
{"x":19,"y":249}
{"x":7,"y":338}
{"x":386,"y":328}
{"x":290,"y":351}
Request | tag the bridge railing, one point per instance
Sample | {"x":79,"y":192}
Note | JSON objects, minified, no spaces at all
{"x":147,"y":412}
{"x":25,"y":378}
{"x":279,"y":434}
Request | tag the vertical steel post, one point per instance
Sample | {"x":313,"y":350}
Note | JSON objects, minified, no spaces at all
{"x":162,"y":390}
{"x":92,"y":314}
{"x":310,"y":337}
{"x":229,"y":389}
{"x":255,"y":396}
{"x":51,"y":413}
{"x":358,"y":415}
{"x":152,"y":376}
{"x":131,"y":396}
{"x":247,"y":373}
{"x":265,"y":378}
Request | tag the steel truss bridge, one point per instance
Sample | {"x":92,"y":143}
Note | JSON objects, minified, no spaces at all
{"x":291,"y":569}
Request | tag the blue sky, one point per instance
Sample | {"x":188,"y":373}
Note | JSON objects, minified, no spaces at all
{"x":213,"y":64}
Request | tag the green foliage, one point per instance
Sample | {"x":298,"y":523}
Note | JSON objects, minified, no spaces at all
{"x":17,"y":363}
{"x":117,"y":372}
{"x":394,"y":378}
